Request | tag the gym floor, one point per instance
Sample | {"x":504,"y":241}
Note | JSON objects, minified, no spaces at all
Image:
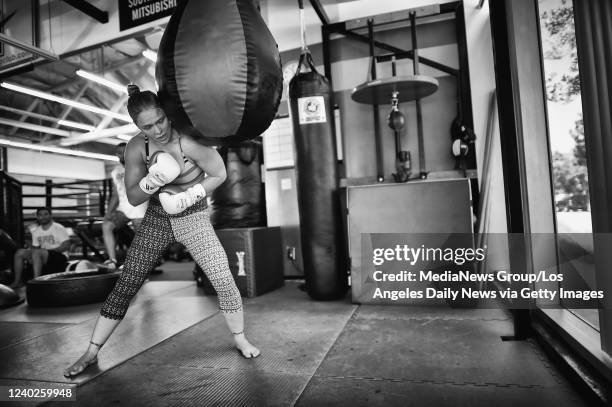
{"x":173,"y":349}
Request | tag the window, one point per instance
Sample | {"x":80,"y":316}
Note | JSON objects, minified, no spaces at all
{"x":568,"y":152}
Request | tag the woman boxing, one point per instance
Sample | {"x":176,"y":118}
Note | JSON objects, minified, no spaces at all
{"x":168,"y":169}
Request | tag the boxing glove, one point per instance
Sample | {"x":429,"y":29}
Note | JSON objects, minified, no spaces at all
{"x":163,"y":171}
{"x":176,"y":203}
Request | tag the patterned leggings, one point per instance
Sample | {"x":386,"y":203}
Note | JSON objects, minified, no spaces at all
{"x":192,"y":228}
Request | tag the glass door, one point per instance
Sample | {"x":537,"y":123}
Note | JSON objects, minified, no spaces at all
{"x":567,"y":149}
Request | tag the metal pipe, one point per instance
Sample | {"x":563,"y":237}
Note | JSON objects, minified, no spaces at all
{"x":419,"y":112}
{"x":26,"y":47}
{"x":399,"y":53}
{"x":380,"y":171}
{"x":320,"y":10}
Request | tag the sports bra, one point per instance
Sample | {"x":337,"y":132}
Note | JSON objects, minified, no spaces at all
{"x":190,"y":174}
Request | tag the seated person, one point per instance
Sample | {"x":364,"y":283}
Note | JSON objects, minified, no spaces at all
{"x":50,"y":241}
{"x":119,"y":209}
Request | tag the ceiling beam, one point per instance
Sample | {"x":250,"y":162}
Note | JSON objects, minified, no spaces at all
{"x":45,"y":129}
{"x":27,"y":47}
{"x":68,"y":109}
{"x":24,"y":116}
{"x":126,"y":62}
{"x":39,"y":128}
{"x":66,"y":101}
{"x":101,"y":130}
{"x":65,"y":84}
{"x":89,"y":9}
{"x":38,"y":147}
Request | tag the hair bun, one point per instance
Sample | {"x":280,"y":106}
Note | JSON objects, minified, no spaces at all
{"x":132,"y":89}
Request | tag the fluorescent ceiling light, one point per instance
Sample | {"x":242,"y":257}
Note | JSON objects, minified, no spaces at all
{"x":61,"y":122}
{"x":39,"y":128}
{"x":98,"y":134}
{"x":75,"y":125}
{"x":58,"y":150}
{"x":58,"y":99}
{"x":102,"y":81}
{"x":50,"y":130}
{"x":150,"y":55}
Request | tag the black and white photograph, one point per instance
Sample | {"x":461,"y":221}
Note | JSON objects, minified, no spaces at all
{"x":309,"y":203}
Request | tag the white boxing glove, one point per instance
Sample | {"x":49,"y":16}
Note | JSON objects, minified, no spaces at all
{"x":174,"y":204}
{"x":163,"y":171}
{"x":197,"y":192}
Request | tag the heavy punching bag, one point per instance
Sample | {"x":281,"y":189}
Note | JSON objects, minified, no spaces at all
{"x":239,"y":202}
{"x":219,"y":71}
{"x":317,"y":182}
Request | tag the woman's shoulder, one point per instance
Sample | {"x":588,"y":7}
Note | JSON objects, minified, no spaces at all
{"x":188,"y":141}
{"x":135,"y":149}
{"x":190,"y":145}
{"x":135,"y":145}
{"x":136,"y":141}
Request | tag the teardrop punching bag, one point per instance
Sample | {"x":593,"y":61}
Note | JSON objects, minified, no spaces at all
{"x":317,"y":182}
{"x":219,"y":71}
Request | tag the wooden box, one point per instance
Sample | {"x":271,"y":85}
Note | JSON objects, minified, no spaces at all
{"x":255,"y":258}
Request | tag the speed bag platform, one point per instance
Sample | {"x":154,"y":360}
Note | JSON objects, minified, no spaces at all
{"x":255,"y":257}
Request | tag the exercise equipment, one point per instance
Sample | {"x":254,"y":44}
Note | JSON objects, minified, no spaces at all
{"x":405,"y":88}
{"x":462,"y":136}
{"x":72,"y":287}
{"x":219,"y":71}
{"x":240,"y":201}
{"x":317,"y":180}
{"x":394,"y":90}
{"x":255,"y":258}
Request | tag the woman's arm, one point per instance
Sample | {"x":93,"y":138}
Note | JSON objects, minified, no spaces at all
{"x":208,"y":159}
{"x":135,"y":170}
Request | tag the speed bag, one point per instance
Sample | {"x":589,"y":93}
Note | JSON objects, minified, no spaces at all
{"x":219,"y":71}
{"x":317,"y":184}
{"x":240,"y":201}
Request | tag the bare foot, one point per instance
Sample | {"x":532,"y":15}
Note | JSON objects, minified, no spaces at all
{"x":245,"y":348}
{"x":80,"y":365}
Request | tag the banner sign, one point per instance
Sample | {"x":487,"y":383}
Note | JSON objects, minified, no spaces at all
{"x":16,"y":22}
{"x":133,"y":13}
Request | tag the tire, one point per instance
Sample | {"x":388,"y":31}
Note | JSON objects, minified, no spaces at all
{"x":71,"y":288}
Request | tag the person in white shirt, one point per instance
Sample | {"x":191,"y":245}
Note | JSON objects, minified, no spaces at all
{"x":50,"y":244}
{"x":120,"y":211}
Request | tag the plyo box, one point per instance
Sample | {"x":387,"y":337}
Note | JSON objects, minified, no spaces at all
{"x":255,"y":257}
